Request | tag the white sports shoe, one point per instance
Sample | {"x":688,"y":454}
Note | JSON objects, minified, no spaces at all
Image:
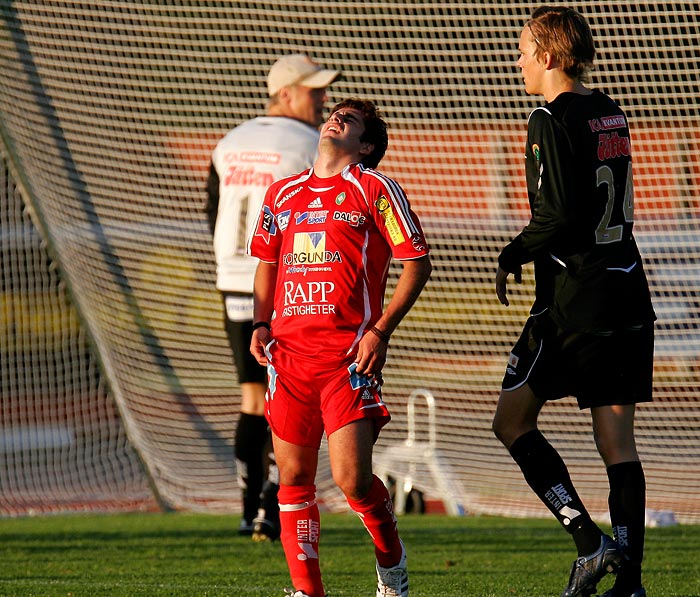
{"x":393,"y":582}
{"x":293,"y":593}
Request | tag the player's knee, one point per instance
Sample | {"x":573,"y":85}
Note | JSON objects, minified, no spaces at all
{"x":295,"y":472}
{"x":613,"y":451}
{"x":353,"y":486}
{"x":500,"y":428}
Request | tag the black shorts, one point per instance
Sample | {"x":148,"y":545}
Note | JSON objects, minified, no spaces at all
{"x":597,"y":369}
{"x":238,"y":322}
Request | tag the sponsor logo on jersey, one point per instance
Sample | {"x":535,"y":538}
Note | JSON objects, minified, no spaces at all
{"x":262,"y":157}
{"x":267,"y":227}
{"x":287,"y":197}
{"x":354,"y":218}
{"x":536,"y":151}
{"x":305,"y":269}
{"x":418,"y":242}
{"x":392,"y":225}
{"x":308,"y":298}
{"x":340,"y":198}
{"x":382,"y":203}
{"x":315,"y":204}
{"x":307,"y":292}
{"x":513,"y":361}
{"x":310,"y":248}
{"x":283,"y":219}
{"x":607,"y":122}
{"x":311,"y":217}
{"x":613,"y":146}
{"x":247,"y":176}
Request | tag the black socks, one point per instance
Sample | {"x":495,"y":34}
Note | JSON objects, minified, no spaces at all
{"x":627,"y":501}
{"x":251,"y":436}
{"x":547,"y":475}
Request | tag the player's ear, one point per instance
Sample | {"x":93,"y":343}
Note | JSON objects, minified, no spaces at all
{"x":548,"y":61}
{"x":366,"y":148}
{"x":284,"y":95}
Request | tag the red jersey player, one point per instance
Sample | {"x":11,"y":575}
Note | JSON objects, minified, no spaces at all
{"x":325,"y":238}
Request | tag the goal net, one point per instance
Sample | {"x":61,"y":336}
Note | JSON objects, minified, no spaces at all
{"x":118,"y":389}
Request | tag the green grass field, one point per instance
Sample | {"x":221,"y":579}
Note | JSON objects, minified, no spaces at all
{"x":201,"y":555}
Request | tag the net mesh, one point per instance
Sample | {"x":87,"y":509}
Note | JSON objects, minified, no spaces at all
{"x":109,"y":111}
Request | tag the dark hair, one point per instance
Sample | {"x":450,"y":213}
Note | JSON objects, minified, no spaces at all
{"x":565,"y":34}
{"x":375,"y":129}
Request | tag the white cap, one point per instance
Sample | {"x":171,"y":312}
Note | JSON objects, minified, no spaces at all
{"x":298,"y":69}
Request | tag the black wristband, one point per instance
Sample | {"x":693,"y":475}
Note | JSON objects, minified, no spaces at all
{"x":380,"y":334}
{"x":262,"y":324}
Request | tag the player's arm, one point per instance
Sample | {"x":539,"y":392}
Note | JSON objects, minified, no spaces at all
{"x":552,"y":227}
{"x":264,"y":243}
{"x":263,"y":306}
{"x":502,"y":283}
{"x":371,"y":354}
{"x":554,"y":211}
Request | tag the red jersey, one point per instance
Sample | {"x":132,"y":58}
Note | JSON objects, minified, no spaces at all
{"x":333,"y":239}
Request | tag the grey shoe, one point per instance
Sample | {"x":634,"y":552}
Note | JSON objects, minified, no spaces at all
{"x":588,"y":570}
{"x":393,"y":582}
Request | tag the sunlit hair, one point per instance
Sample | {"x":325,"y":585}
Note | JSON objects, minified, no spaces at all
{"x":375,"y":129}
{"x":565,"y":34}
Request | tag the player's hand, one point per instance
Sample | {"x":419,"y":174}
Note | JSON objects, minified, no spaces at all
{"x":502,"y":283}
{"x":371,"y":355}
{"x":260,"y":339}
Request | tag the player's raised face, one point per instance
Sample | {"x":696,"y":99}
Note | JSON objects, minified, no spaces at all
{"x":345,"y":125}
{"x":342,"y":133}
{"x":530,"y":67}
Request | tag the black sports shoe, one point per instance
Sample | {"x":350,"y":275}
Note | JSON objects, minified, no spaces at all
{"x":640,"y":592}
{"x":245,"y":528}
{"x":264,"y":530}
{"x":588,"y":570}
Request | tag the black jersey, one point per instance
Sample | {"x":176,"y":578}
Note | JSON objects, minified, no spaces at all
{"x":578,"y":163}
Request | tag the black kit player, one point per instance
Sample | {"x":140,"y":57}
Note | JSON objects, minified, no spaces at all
{"x":590,"y":332}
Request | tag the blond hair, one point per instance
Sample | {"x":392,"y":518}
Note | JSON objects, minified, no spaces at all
{"x":565,"y":34}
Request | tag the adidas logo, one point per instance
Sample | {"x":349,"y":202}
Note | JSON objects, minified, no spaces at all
{"x":315,"y":203}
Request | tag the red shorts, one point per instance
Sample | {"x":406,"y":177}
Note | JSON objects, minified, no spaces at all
{"x":306,"y":397}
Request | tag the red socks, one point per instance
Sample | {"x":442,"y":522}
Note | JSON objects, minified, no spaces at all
{"x":300,"y":524}
{"x":376,"y":511}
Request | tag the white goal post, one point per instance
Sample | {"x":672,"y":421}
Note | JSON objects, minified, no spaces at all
{"x":118,"y":389}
